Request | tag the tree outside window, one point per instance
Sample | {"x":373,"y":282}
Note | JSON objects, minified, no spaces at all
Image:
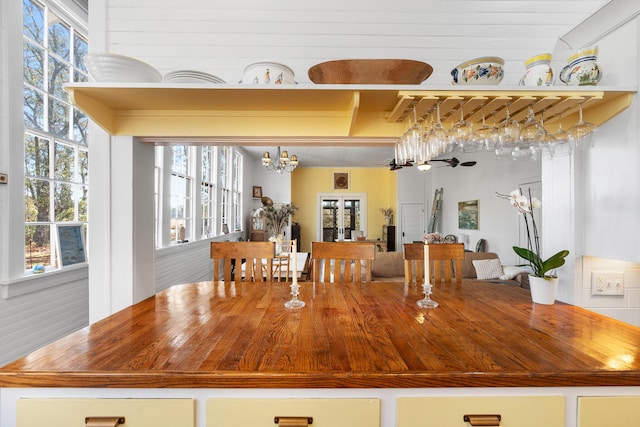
{"x":55,"y":140}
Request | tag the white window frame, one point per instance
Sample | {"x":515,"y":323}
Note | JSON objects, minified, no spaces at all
{"x":76,"y":29}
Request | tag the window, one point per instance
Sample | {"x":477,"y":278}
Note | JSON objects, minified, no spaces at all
{"x":181,"y":195}
{"x":56,"y":154}
{"x":208,"y":191}
{"x":198,"y":193}
{"x":225,"y":193}
{"x":237,"y":191}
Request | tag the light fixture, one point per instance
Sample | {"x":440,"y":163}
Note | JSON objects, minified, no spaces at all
{"x":424,"y":166}
{"x":282,"y":164}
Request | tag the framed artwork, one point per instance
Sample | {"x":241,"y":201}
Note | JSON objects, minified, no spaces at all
{"x":257,"y":192}
{"x":71,"y":244}
{"x":468,"y":215}
{"x":341,"y":180}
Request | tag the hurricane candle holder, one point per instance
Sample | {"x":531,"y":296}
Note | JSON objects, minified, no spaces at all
{"x":427,"y":302}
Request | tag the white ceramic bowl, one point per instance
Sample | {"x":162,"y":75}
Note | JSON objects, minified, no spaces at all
{"x":479,"y":71}
{"x":267,"y":73}
{"x":109,"y":67}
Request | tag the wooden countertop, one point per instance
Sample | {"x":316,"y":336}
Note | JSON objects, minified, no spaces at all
{"x":216,"y":335}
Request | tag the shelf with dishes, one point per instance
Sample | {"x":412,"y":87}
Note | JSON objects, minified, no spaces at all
{"x":323,"y":114}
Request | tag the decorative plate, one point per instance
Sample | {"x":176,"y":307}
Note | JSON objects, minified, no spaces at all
{"x":450,"y":238}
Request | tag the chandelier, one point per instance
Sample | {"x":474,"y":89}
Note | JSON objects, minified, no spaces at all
{"x":282,"y":162}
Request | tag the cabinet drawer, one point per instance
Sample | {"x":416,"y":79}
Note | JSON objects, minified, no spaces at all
{"x":619,"y":411}
{"x":137,"y":412}
{"x":514,"y":411}
{"x":261,"y":412}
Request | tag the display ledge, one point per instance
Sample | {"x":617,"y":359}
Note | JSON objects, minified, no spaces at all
{"x":323,"y":114}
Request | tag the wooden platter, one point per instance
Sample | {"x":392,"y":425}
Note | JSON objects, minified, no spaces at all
{"x":370,"y":71}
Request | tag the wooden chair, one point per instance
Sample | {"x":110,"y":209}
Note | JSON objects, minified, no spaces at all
{"x":413,"y":262}
{"x":442,"y":257}
{"x":342,"y":260}
{"x":232,"y":254}
{"x":282,"y":263}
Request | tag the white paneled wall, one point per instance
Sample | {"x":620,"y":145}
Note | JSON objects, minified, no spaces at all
{"x":222,"y":38}
{"x":41,"y":311}
{"x":622,"y":307}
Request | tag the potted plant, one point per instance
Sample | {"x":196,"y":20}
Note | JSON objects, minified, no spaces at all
{"x":543,"y":280}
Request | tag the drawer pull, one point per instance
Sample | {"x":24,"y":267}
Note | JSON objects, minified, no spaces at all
{"x":483,"y":420}
{"x":103,"y":421}
{"x":293,"y":421}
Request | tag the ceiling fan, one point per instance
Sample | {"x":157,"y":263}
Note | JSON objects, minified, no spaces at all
{"x":395,"y":166}
{"x":453,"y":162}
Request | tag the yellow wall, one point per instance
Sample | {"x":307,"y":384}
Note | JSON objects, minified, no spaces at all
{"x":378,"y":183}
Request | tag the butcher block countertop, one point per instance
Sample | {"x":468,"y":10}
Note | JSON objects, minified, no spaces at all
{"x":217,"y":335}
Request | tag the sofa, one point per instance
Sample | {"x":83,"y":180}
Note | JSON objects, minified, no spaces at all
{"x":389,"y":266}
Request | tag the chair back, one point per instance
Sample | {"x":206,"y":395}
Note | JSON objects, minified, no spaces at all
{"x":342,"y":260}
{"x":282,"y":264}
{"x":442,"y":257}
{"x":413,"y":262}
{"x":233,"y":254}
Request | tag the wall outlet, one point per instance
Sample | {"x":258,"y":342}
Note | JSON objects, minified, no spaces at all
{"x":607,"y":283}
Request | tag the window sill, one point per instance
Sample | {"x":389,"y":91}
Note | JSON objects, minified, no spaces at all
{"x":37,"y":282}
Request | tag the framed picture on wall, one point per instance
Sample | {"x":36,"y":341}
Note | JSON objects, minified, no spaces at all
{"x":468,"y":215}
{"x":257,"y":192}
{"x":341,"y":180}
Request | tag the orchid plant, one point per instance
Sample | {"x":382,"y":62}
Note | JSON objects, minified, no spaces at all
{"x":532,"y":253}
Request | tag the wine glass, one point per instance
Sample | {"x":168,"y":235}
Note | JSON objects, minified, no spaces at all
{"x":530,"y":137}
{"x":461,"y":132}
{"x":561,"y":146}
{"x":483,"y":138}
{"x":437,"y":136}
{"x":509,"y":132}
{"x":581,"y":134}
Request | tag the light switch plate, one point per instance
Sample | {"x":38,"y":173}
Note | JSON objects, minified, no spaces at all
{"x":607,"y":283}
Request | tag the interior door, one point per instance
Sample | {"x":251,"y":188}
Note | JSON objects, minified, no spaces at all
{"x":411,"y":222}
{"x":340,"y":216}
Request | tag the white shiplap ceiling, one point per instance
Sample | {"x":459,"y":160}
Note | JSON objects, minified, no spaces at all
{"x":222,"y":38}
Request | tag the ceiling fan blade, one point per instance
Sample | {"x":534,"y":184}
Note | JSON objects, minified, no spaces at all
{"x":468,"y":163}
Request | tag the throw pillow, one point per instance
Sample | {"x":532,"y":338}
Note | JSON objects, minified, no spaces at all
{"x":487,"y":269}
{"x":511,"y":271}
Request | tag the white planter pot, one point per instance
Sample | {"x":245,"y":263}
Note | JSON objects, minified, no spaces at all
{"x":543,"y":291}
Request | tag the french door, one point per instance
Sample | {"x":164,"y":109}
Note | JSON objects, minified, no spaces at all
{"x":341,"y":214}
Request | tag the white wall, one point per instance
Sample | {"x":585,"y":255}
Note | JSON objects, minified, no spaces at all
{"x":498,"y":221}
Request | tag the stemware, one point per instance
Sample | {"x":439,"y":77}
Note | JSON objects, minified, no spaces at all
{"x":485,"y":137}
{"x":561,"y":146}
{"x":509,"y":132}
{"x":581,"y":134}
{"x":531,"y":137}
{"x":438,"y":136}
{"x":461,"y":132}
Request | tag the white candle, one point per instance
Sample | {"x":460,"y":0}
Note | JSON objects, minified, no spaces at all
{"x":427,"y":275}
{"x":294,"y":261}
